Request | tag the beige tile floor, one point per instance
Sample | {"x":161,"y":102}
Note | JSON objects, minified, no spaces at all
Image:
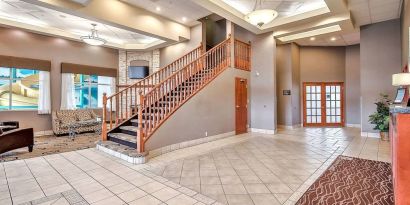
{"x":246,"y":169}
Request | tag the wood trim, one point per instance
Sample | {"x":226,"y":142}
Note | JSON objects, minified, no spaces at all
{"x":29,"y":63}
{"x":323,"y":104}
{"x":241,"y":116}
{"x":88,"y":70}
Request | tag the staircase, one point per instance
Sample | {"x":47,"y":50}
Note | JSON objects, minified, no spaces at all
{"x":156,"y":103}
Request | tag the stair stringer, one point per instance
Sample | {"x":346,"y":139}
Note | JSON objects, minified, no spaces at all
{"x":211,"y":110}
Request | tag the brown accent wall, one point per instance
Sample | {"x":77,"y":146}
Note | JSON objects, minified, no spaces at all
{"x":19,"y":43}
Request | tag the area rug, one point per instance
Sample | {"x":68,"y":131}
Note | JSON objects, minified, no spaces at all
{"x":352,"y":181}
{"x":46,"y":145}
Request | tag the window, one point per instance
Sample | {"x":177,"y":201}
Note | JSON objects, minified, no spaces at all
{"x":89,"y":90}
{"x":19,"y":89}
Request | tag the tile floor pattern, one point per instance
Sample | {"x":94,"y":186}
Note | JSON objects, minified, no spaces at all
{"x":247,"y":169}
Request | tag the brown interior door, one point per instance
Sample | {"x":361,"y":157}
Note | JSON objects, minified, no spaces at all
{"x":241,"y":105}
{"x":323,"y":104}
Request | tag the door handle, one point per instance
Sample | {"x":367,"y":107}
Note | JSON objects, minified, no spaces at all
{"x":238,"y":106}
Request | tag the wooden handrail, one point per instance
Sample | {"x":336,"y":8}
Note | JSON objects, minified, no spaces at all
{"x":159,"y":103}
{"x":243,"y":54}
{"x":125,"y":102}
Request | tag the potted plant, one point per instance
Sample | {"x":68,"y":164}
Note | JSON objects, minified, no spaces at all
{"x":381,"y":117}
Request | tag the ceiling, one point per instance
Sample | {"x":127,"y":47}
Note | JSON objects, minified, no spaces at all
{"x":182,"y":11}
{"x":373,"y":11}
{"x":300,"y":20}
{"x":285,"y":8}
{"x":72,"y":26}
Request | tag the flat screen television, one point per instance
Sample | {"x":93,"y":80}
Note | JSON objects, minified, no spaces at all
{"x":138,"y":72}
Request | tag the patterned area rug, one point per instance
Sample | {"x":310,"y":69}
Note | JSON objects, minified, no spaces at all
{"x":352,"y":181}
{"x":46,"y":145}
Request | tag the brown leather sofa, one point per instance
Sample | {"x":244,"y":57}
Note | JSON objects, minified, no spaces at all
{"x":16,"y":138}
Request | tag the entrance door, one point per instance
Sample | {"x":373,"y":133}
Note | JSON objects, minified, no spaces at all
{"x":323,"y":104}
{"x":241,"y":103}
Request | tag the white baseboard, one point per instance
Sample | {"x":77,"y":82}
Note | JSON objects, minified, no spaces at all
{"x":354,"y":125}
{"x":173,"y":147}
{"x":262,"y":131}
{"x":289,"y":127}
{"x":370,"y":134}
{"x":43,"y":133}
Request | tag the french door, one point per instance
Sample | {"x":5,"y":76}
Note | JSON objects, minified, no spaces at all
{"x":323,"y":104}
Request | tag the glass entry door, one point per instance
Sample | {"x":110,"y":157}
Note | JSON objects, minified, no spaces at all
{"x":323,"y":104}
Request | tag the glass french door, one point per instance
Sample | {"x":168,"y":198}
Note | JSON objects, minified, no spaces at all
{"x":323,"y":104}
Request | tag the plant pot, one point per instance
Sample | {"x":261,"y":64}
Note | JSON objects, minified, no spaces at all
{"x":384,"y":136}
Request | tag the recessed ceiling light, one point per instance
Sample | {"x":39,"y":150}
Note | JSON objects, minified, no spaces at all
{"x":333,"y":39}
{"x":183,"y":19}
{"x":310,"y":33}
{"x":312,"y":38}
{"x":158,"y":8}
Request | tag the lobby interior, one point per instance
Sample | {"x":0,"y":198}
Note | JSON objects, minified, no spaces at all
{"x":204,"y":102}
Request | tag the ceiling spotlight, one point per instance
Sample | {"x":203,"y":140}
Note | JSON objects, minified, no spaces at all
{"x":333,"y":39}
{"x":312,"y":38}
{"x":158,"y":8}
{"x":183,"y":19}
{"x":93,"y":38}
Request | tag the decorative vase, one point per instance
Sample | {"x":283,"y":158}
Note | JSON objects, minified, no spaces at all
{"x":384,"y":136}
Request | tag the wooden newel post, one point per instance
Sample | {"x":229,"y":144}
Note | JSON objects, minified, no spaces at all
{"x":104,"y":118}
{"x":140,"y":132}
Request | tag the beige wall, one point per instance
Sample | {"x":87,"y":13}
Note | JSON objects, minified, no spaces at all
{"x":380,"y":58}
{"x":352,"y":85}
{"x":405,"y":26}
{"x":14,"y":42}
{"x":322,"y":64}
{"x":171,"y":53}
{"x":214,"y":108}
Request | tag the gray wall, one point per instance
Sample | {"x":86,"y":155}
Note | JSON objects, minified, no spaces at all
{"x":173,"y":52}
{"x":263,"y":86}
{"x":284,"y":82}
{"x":19,"y":43}
{"x":211,"y":110}
{"x":215,"y":31}
{"x":380,"y":58}
{"x":352,"y":85}
{"x":296,"y":108}
{"x":405,"y":26}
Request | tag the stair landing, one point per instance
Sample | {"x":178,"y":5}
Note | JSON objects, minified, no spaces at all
{"x":122,"y":152}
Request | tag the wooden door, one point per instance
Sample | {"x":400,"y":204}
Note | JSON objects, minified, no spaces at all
{"x":323,"y":104}
{"x":241,"y":105}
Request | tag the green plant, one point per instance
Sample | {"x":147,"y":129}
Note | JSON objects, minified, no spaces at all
{"x":381,"y":117}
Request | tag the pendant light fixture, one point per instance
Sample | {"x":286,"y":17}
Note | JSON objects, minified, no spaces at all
{"x":93,"y":39}
{"x":259,"y":17}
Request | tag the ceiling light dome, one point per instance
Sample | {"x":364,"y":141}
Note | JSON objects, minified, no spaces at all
{"x":261,"y":17}
{"x":93,"y":39}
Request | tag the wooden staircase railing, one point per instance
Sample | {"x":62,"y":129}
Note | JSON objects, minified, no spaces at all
{"x":124,"y":104}
{"x":158,"y":104}
{"x":243,"y":53}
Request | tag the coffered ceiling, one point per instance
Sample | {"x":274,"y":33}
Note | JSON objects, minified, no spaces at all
{"x":182,"y":11}
{"x":70,"y":26}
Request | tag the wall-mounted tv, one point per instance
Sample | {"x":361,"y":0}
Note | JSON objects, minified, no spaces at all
{"x":138,"y":72}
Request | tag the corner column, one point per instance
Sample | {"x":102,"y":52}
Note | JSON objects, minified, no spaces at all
{"x":230,"y":30}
